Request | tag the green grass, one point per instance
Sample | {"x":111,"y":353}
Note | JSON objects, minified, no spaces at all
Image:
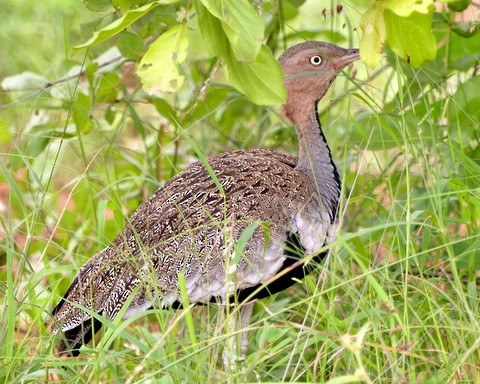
{"x":395,"y":302}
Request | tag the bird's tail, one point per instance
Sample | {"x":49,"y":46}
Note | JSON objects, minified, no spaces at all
{"x":100,"y":287}
{"x":77,"y":327}
{"x":74,"y":338}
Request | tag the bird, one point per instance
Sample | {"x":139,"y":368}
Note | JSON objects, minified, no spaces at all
{"x":282,"y":209}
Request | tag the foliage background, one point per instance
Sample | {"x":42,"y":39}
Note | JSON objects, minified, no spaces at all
{"x":83,"y":144}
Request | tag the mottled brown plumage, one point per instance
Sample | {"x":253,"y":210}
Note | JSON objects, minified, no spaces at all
{"x":191,"y":225}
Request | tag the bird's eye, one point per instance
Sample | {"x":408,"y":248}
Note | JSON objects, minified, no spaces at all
{"x":316,"y":60}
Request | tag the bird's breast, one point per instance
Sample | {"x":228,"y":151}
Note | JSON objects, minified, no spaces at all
{"x":313,"y":226}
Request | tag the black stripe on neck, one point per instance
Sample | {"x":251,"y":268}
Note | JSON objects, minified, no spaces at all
{"x":333,"y":200}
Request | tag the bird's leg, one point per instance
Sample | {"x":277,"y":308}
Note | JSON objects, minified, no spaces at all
{"x":245,"y":315}
{"x":230,"y":354}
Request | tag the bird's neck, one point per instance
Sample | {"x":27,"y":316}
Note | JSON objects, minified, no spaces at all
{"x":315,"y":159}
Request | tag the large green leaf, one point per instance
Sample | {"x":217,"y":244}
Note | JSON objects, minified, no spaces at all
{"x":411,"y":37}
{"x":242,"y":25}
{"x":211,"y":29}
{"x":158,"y":68}
{"x":261,"y":81}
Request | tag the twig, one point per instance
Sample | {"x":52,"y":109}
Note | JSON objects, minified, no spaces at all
{"x":51,"y":84}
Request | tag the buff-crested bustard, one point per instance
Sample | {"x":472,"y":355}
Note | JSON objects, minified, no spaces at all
{"x":191,"y":224}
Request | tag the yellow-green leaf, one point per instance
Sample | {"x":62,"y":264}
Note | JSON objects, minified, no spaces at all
{"x":373,"y":28}
{"x":411,"y":37}
{"x":5,"y":133}
{"x":406,"y":7}
{"x":119,"y":25}
{"x":159,"y":67}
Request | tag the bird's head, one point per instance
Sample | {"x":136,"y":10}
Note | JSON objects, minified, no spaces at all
{"x":309,"y":69}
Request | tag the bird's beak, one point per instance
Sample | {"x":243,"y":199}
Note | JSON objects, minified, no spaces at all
{"x":348,"y":57}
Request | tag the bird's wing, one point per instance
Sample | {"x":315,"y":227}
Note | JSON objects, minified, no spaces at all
{"x":179,"y":229}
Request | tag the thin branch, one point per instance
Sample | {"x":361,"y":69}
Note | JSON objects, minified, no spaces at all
{"x":51,"y":84}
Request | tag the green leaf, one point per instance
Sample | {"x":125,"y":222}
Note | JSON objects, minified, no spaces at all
{"x":119,"y":25}
{"x":39,"y":136}
{"x":411,"y":37}
{"x":5,"y":133}
{"x":97,"y":5}
{"x":155,"y":22}
{"x":406,"y":7}
{"x":38,"y":140}
{"x":462,"y":53}
{"x":88,"y":28}
{"x":261,"y":81}
{"x":211,"y":29}
{"x":166,"y":379}
{"x":464,"y":106}
{"x":165,"y":109}
{"x":242,"y":25}
{"x":106,"y":89}
{"x":374,"y":32}
{"x":81,"y":112}
{"x":465,"y":29}
{"x":125,"y":5}
{"x":158,"y":68}
{"x":458,"y":5}
{"x":130,"y":45}
{"x":91,"y":71}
